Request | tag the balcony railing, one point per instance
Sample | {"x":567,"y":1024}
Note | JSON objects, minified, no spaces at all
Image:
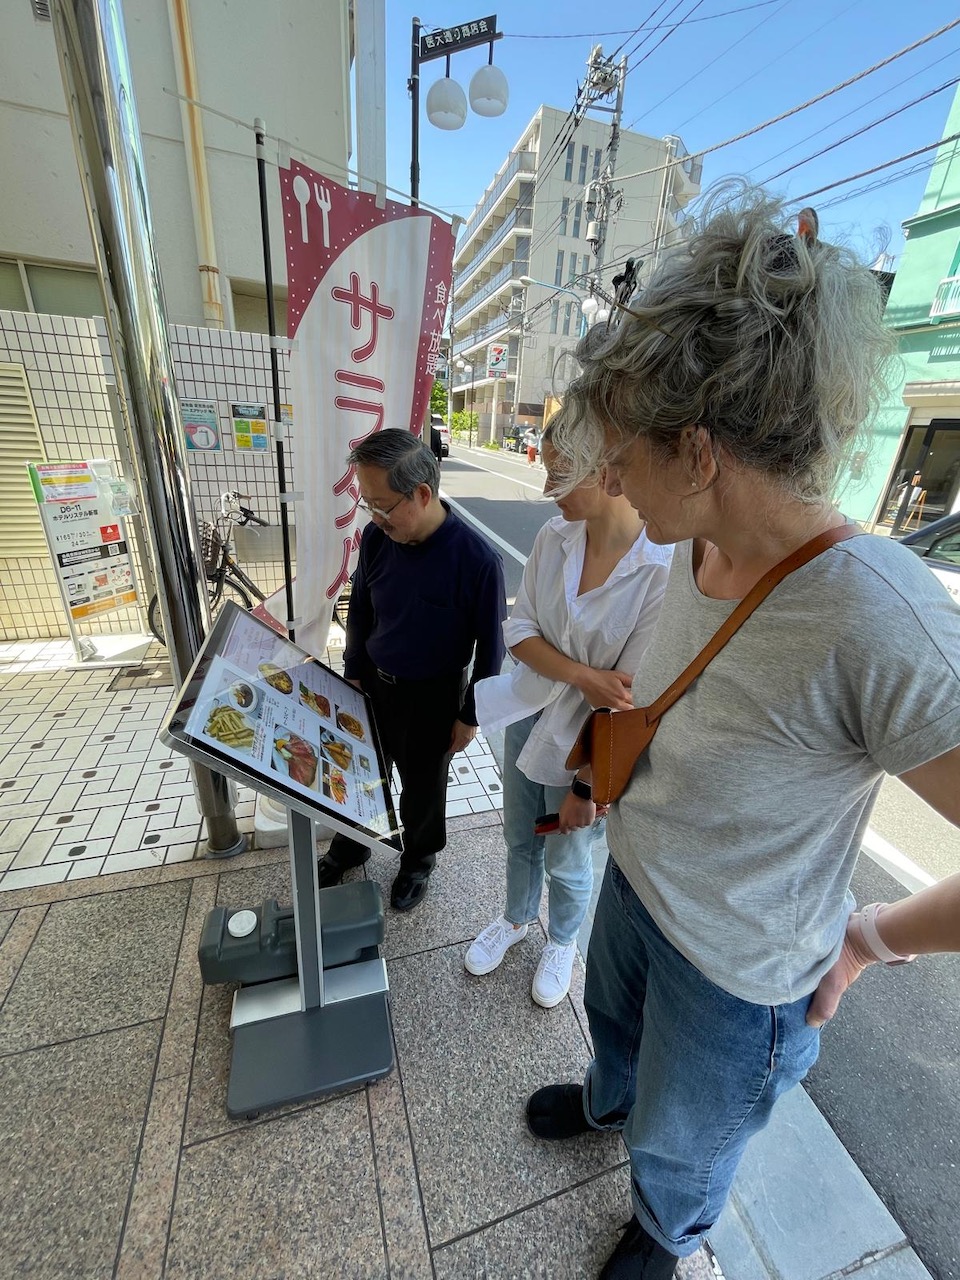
{"x":522,"y":162}
{"x":520,"y":218}
{"x":510,"y":271}
{"x":497,"y":325}
{"x":947,"y":299}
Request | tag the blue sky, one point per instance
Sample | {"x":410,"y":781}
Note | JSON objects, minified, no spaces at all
{"x":708,"y":81}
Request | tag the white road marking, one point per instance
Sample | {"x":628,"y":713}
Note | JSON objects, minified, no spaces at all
{"x":501,"y":474}
{"x":890,"y":859}
{"x":494,"y":537}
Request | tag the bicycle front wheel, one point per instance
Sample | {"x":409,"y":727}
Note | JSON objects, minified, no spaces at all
{"x":220,"y":592}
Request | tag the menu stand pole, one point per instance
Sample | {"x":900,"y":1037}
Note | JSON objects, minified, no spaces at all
{"x":320,"y":1047}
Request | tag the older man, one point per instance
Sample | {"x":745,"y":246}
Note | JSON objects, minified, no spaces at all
{"x":428,"y":596}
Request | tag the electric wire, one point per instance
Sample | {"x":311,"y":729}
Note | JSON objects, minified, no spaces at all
{"x":761,"y":70}
{"x":785,"y":115}
{"x":931,"y":93}
{"x":599,"y":35}
{"x":865,"y":173}
{"x":953,"y":53}
{"x":723,"y":53}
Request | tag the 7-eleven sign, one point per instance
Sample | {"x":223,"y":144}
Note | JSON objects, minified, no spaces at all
{"x":497,"y":356}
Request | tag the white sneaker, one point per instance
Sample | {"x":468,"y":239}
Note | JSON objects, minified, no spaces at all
{"x":551,"y":982}
{"x":489,"y":947}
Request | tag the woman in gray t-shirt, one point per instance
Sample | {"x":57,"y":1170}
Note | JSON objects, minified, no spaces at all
{"x":722,"y":406}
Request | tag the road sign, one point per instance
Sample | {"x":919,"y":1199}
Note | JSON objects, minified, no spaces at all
{"x":444,"y":40}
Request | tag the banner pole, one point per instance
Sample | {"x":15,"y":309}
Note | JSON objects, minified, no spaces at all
{"x":260,"y":131}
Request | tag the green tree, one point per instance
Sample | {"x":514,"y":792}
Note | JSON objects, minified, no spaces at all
{"x":438,"y":399}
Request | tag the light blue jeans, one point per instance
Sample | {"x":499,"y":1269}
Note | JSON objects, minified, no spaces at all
{"x":687,"y":1071}
{"x":565,"y":859}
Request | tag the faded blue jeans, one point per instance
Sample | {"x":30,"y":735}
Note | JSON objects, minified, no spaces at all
{"x":687,"y":1071}
{"x":566,"y":859}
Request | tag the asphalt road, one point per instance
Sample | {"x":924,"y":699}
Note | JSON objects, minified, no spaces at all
{"x":888,"y":1079}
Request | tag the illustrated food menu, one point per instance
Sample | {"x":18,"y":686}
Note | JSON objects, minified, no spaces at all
{"x":266,"y":703}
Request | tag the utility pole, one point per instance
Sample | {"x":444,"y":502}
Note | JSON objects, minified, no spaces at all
{"x":601,"y":200}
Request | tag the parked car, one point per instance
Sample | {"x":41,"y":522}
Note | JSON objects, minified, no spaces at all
{"x":437,"y":421}
{"x":939,"y":545}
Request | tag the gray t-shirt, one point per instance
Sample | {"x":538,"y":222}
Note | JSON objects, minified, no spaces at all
{"x":742,"y":823}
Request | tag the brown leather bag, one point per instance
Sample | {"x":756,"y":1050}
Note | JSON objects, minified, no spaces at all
{"x":611,"y":742}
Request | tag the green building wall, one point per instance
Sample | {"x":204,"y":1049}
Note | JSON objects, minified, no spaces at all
{"x":929,"y":351}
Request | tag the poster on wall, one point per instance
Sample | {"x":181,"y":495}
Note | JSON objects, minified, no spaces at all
{"x":87,"y":540}
{"x":250,"y":427}
{"x":201,"y":426}
{"x":368,"y":291}
{"x":284,"y":723}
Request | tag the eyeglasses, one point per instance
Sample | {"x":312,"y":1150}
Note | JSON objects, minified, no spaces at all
{"x":379,"y":511}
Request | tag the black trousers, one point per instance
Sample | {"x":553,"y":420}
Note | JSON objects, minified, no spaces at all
{"x":415,"y":719}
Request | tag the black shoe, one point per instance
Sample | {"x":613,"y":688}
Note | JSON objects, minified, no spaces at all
{"x":556,"y":1112}
{"x":408,"y":890}
{"x":330,"y":873}
{"x":639,"y":1257}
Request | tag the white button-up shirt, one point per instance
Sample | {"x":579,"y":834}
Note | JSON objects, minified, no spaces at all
{"x":607,"y":629}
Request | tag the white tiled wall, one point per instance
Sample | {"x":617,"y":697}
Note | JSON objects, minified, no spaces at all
{"x":64,"y":361}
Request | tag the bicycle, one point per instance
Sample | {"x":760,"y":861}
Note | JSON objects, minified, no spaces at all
{"x":225,"y":579}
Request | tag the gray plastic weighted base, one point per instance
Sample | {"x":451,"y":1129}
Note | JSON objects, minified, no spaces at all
{"x":303,"y":1055}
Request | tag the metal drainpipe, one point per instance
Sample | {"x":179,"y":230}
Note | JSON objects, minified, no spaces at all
{"x":189,"y":87}
{"x":95,"y":68}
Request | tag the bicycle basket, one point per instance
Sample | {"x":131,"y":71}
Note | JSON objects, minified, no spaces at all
{"x":211,"y":548}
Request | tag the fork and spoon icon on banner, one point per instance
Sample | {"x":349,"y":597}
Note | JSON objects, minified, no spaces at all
{"x":301,"y":191}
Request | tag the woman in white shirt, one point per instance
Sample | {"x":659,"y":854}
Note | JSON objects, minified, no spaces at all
{"x":585,"y":611}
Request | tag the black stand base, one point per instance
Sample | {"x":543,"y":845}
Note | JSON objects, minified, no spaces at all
{"x":303,"y":1055}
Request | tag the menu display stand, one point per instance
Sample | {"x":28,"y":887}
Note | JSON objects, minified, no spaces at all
{"x":260,"y":710}
{"x":323,"y":1045}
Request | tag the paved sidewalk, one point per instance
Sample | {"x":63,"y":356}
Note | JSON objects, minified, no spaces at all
{"x":119,"y":1158}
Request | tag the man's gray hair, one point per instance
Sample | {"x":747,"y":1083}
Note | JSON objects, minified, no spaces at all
{"x":771,"y":341}
{"x":406,"y":460}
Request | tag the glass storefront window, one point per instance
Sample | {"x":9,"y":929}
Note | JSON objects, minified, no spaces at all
{"x":926,"y":481}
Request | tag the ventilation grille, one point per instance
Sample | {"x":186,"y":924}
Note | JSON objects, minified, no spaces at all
{"x":41,"y":10}
{"x":21,"y":533}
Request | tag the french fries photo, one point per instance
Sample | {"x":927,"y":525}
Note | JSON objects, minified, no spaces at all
{"x":229,"y":727}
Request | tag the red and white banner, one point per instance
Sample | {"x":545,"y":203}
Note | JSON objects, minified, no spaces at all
{"x":368,"y":289}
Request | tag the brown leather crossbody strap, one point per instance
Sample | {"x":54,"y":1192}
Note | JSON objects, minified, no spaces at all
{"x":809,"y":551}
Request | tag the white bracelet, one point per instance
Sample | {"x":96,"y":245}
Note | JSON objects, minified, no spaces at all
{"x":868,"y":924}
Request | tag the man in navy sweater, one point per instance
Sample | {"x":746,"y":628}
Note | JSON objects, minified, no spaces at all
{"x":428,"y":595}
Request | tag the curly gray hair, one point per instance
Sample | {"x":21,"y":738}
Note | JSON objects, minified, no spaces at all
{"x":771,"y":341}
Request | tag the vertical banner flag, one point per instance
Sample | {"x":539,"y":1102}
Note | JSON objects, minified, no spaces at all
{"x":368,"y":287}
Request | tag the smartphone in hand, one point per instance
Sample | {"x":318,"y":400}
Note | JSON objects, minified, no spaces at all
{"x":547,"y":824}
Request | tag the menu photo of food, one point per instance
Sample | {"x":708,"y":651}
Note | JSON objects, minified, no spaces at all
{"x":335,"y":749}
{"x":229,"y":726}
{"x":294,"y":757}
{"x":335,"y":784}
{"x":276,"y":677}
{"x":350,"y":724}
{"x":314,"y":701}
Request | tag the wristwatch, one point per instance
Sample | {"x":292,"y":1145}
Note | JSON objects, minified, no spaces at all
{"x":867,"y":919}
{"x":582,"y":790}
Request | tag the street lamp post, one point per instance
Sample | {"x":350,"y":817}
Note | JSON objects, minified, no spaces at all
{"x":446,"y":102}
{"x":461,"y":365}
{"x":585,"y":310}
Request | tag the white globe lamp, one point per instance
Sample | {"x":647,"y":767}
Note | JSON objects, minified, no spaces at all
{"x":590,"y":308}
{"x":489,"y":92}
{"x":446,"y":104}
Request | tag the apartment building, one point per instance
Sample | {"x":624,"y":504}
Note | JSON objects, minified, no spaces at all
{"x":531,"y":222}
